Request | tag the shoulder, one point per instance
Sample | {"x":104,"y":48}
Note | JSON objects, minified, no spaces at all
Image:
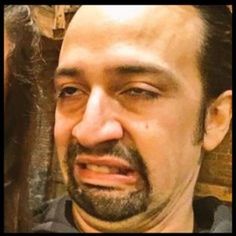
{"x":54,"y":216}
{"x":49,"y":206}
{"x":212,"y":215}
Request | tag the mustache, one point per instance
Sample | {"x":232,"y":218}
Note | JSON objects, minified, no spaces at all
{"x":111,"y":148}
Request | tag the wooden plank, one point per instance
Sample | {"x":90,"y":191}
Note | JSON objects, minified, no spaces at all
{"x":59,"y":25}
{"x":216,"y":167}
{"x":224,"y":193}
{"x":44,"y":17}
{"x":53,"y":20}
{"x":59,"y":19}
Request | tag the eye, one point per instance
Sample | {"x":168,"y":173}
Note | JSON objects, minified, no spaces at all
{"x":68,"y":92}
{"x":141,"y":93}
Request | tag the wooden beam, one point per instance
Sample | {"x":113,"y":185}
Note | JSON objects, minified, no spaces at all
{"x":53,"y":20}
{"x":59,"y":21}
{"x":224,"y":193}
{"x":44,"y":17}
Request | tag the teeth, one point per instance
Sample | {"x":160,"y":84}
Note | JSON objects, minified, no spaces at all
{"x":102,"y":169}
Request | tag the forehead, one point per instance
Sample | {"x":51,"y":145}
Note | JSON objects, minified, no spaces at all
{"x":173,"y":33}
{"x":138,"y":22}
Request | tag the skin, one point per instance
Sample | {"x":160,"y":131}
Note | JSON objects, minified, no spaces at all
{"x":154,"y":109}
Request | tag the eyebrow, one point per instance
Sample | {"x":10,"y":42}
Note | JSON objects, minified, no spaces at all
{"x":125,"y":69}
{"x":138,"y":69}
{"x":147,"y":69}
{"x":67,"y":72}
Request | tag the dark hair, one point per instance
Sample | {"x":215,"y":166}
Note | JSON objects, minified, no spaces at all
{"x":216,"y":53}
{"x":24,"y":63}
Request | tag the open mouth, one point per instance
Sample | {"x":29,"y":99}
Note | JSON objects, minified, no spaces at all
{"x":105,"y":172}
{"x":106,"y":169}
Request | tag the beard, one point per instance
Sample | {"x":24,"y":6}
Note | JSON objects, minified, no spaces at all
{"x":106,"y":203}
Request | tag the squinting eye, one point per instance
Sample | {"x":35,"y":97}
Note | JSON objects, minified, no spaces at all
{"x":67,"y":92}
{"x":142,"y":93}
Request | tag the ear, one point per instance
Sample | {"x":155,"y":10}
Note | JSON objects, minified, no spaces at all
{"x":218,"y":119}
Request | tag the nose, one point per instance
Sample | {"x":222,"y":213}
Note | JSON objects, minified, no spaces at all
{"x":98,"y":124}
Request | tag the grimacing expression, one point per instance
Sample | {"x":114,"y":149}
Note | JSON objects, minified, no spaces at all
{"x":128,"y":101}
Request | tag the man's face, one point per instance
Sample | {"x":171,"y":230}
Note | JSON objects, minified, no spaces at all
{"x":128,"y":101}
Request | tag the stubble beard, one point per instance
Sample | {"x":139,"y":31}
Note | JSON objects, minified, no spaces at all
{"x":106,"y":205}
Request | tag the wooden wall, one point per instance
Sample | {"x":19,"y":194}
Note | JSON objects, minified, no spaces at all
{"x":216,"y":172}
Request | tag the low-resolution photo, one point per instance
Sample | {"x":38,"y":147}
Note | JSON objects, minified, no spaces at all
{"x":118,"y":118}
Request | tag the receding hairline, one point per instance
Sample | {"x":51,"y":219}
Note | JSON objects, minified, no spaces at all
{"x":81,"y":17}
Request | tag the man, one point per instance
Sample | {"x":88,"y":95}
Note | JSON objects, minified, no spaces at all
{"x":142,"y":92}
{"x":22,"y":63}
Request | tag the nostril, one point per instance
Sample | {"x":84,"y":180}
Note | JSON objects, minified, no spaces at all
{"x":89,"y":135}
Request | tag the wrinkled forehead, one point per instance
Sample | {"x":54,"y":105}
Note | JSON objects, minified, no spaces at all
{"x":176,"y":28}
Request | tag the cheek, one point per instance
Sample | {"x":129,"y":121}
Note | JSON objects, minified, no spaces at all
{"x":168,"y":135}
{"x":62,"y":135}
{"x":166,"y":146}
{"x":157,"y":150}
{"x":62,"y":130}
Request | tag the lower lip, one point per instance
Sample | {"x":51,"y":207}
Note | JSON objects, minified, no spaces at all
{"x":88,"y":176}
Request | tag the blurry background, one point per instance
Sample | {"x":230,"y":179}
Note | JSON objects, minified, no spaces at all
{"x":45,"y":178}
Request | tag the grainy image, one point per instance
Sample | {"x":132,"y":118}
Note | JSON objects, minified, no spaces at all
{"x":129,"y":125}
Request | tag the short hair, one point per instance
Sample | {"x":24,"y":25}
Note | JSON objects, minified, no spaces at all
{"x":215,"y":62}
